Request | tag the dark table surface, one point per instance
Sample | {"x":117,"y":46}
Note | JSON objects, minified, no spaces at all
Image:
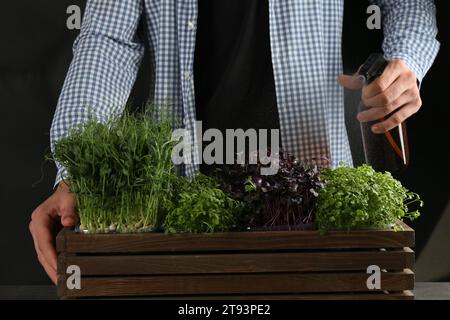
{"x":422,"y":291}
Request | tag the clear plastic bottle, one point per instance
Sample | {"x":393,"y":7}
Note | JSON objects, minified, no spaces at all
{"x":388,"y":151}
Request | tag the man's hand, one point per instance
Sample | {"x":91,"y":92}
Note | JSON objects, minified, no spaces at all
{"x":57,"y":211}
{"x":395,"y":91}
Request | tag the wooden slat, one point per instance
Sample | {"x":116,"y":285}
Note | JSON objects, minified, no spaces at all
{"x":70,"y":242}
{"x":236,"y":283}
{"x":398,"y":259}
{"x":402,"y":295}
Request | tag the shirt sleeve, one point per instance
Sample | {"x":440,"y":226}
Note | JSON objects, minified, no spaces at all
{"x":410,"y":33}
{"x":107,"y":56}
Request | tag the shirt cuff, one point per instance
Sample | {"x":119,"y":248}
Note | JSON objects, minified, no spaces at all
{"x":60,"y":176}
{"x":410,"y":62}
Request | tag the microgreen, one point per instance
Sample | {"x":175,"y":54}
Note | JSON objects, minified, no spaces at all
{"x":118,"y":170}
{"x":199,"y":206}
{"x":363,"y":198}
{"x":286,"y":199}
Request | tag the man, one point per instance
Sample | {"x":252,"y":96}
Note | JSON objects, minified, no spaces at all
{"x":257,"y":64}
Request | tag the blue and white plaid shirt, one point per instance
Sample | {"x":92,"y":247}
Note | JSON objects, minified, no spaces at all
{"x":305,"y":38}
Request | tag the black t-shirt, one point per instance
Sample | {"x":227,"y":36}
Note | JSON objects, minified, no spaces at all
{"x":234,"y":83}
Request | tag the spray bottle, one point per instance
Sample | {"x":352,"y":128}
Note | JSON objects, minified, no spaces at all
{"x":388,"y":151}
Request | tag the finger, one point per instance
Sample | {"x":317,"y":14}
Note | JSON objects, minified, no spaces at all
{"x":392,"y":93}
{"x":42,"y":230}
{"x":395,"y":119}
{"x":389,"y":75}
{"x":52,"y":273}
{"x":376,"y":113}
{"x":350,"y":82}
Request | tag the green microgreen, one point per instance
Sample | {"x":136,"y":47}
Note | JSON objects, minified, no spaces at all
{"x":200,"y":206}
{"x":118,"y":170}
{"x":358,"y":198}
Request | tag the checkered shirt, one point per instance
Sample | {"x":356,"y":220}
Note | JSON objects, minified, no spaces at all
{"x":305,"y":37}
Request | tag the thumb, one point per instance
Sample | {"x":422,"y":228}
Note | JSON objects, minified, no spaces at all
{"x":68,"y":216}
{"x":66,"y":204}
{"x":68,"y":221}
{"x":350,"y":82}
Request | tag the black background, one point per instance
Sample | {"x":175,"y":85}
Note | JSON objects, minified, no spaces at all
{"x":35,"y":52}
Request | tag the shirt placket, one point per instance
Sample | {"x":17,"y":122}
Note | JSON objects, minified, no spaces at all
{"x":297,"y":59}
{"x":187,"y":12}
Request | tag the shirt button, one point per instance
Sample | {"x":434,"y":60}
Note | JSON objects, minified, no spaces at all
{"x":191,"y":25}
{"x":187,"y":75}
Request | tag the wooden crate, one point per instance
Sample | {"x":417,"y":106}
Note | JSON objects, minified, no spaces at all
{"x":238,"y":265}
